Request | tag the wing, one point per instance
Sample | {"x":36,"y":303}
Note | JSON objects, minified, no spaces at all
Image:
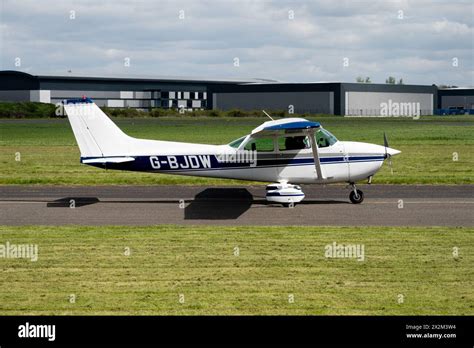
{"x":273,"y":127}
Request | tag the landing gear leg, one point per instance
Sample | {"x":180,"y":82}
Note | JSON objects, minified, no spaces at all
{"x":356,"y":196}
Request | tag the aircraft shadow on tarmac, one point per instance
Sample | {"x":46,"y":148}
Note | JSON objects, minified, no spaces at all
{"x":219,"y":204}
{"x":70,"y":202}
{"x":230,"y":203}
{"x":209,"y":204}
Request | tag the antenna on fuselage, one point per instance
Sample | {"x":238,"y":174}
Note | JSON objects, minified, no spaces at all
{"x":268,"y":115}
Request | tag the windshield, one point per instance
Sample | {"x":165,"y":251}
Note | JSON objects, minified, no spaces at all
{"x":236,"y":143}
{"x":325,"y":138}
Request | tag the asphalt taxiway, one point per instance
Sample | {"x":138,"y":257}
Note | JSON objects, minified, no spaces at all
{"x":384,"y":205}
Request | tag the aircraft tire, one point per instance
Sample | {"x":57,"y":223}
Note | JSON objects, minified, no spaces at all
{"x":356,"y":200}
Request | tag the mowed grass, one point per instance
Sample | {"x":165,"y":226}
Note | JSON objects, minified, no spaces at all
{"x":49,"y":155}
{"x":406,"y":271}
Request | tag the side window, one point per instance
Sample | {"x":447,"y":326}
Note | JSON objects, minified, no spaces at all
{"x":293,"y":143}
{"x":260,"y":145}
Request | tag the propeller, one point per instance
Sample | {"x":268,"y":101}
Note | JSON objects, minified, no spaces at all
{"x":387,"y":155}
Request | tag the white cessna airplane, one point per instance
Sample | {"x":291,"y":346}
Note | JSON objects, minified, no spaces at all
{"x":286,"y":152}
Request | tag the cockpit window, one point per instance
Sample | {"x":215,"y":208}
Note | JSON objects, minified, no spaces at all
{"x":286,"y":143}
{"x":293,"y":143}
{"x":260,"y":145}
{"x":236,"y":143}
{"x":300,"y":142}
{"x":325,"y":138}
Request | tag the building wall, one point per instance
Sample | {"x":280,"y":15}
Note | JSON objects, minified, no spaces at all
{"x":314,"y":102}
{"x":136,"y":99}
{"x":15,"y":95}
{"x":40,"y":95}
{"x":465,"y":101}
{"x":371,"y":103}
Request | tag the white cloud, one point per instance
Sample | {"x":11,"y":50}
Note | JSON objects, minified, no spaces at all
{"x":418,"y":47}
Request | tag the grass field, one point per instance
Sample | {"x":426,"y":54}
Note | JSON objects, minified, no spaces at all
{"x":49,"y":154}
{"x":272,"y":264}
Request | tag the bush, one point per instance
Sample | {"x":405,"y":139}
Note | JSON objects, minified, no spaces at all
{"x":42,"y":110}
{"x":27,"y":110}
{"x":157,"y":113}
{"x":235,"y":113}
{"x":278,"y":113}
{"x":127,"y":112}
{"x":214,"y":113}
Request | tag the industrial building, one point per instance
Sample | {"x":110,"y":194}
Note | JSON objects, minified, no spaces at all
{"x":455,"y":100}
{"x":338,"y":98}
{"x":116,"y":92}
{"x":350,"y":99}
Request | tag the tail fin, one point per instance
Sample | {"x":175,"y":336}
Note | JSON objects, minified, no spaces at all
{"x":96,"y":134}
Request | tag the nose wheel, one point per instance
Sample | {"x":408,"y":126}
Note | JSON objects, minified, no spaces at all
{"x":356,"y":196}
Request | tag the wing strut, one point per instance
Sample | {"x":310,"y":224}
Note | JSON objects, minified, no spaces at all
{"x":314,"y":147}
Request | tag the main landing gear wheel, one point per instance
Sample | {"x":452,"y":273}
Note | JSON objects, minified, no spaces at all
{"x":356,"y":196}
{"x":284,"y":193}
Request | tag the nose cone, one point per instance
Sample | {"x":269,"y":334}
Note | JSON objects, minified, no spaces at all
{"x":392,"y":152}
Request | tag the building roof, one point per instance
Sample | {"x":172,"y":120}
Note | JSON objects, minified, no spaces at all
{"x":454,"y":88}
{"x":79,"y":76}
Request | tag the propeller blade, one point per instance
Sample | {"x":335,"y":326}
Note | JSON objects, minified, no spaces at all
{"x":385,"y":141}
{"x":387,"y":155}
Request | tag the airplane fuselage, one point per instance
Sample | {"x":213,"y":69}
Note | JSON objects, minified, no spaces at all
{"x":341,"y":162}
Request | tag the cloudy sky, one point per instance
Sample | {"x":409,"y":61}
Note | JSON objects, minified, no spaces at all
{"x":423,"y":42}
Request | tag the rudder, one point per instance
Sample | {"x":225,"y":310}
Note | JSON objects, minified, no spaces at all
{"x":95,"y":133}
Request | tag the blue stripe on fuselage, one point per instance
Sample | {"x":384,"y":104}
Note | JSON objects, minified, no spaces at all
{"x":179,"y":163}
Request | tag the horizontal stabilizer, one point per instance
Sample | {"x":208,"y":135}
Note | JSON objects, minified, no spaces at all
{"x":105,"y":160}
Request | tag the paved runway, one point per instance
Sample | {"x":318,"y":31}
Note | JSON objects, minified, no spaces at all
{"x":384,"y":205}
